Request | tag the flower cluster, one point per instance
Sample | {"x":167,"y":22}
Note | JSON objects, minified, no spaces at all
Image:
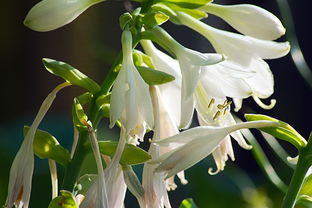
{"x":206,"y":82}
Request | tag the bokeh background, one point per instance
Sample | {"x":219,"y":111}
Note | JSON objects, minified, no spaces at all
{"x":90,"y":43}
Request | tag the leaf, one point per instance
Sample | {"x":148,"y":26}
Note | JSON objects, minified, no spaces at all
{"x":70,"y":74}
{"x":47,"y":146}
{"x":188,"y":203}
{"x":85,"y":98}
{"x":284,"y":131}
{"x":192,"y":12}
{"x":154,"y":18}
{"x":65,"y":200}
{"x":103,"y":103}
{"x":190,"y":4}
{"x":154,"y":77}
{"x":131,"y":155}
{"x":125,"y":19}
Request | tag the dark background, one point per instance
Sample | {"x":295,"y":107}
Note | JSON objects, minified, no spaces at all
{"x":90,"y":43}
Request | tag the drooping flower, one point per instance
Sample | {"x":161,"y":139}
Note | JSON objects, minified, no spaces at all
{"x":197,"y":143}
{"x":23,"y":165}
{"x":51,"y":14}
{"x":130,"y":99}
{"x":190,"y":63}
{"x":216,"y":112}
{"x":245,"y":51}
{"x":249,"y":19}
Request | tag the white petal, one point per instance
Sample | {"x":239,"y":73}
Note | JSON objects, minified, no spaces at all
{"x":51,"y":14}
{"x":249,"y":19}
{"x":171,"y":92}
{"x":267,"y":49}
{"x":221,"y":80}
{"x":262,"y":84}
{"x":117,"y":101}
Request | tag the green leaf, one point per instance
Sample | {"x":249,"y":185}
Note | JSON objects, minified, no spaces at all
{"x":47,"y":146}
{"x":131,"y":155}
{"x":190,"y":4}
{"x":154,"y":77}
{"x":192,"y":12}
{"x":124,"y":20}
{"x":85,"y":98}
{"x":284,"y":131}
{"x":103,"y":103}
{"x":188,"y":203}
{"x":65,"y":200}
{"x":154,"y":18}
{"x":79,"y":117}
{"x":70,"y":74}
{"x":304,"y":200}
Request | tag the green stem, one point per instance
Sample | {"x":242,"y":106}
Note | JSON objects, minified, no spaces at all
{"x":73,"y":169}
{"x":297,"y":179}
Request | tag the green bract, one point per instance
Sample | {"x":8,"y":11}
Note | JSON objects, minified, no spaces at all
{"x":70,"y":74}
{"x":103,"y":104}
{"x":131,"y":155}
{"x":188,"y":203}
{"x":284,"y":131}
{"x":47,"y":146}
{"x":79,"y":117}
{"x":154,"y":18}
{"x":154,"y":77}
{"x":190,"y":4}
{"x":84,"y":183}
{"x":65,"y":200}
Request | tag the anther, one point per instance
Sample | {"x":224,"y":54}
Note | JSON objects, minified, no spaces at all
{"x":211,"y":102}
{"x":216,"y":116}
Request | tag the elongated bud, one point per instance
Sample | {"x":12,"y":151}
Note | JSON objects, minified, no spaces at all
{"x":51,"y":14}
{"x":249,"y":19}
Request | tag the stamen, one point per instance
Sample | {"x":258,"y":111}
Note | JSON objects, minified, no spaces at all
{"x":215,"y":117}
{"x":211,"y":102}
{"x":220,"y":107}
{"x":212,"y":172}
{"x":262,"y":105}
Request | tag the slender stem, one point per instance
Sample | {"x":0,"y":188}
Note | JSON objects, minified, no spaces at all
{"x":73,"y":169}
{"x":297,"y":180}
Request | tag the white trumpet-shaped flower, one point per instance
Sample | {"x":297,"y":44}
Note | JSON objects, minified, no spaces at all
{"x":216,"y":112}
{"x":196,"y":144}
{"x":190,"y":63}
{"x":249,"y":19}
{"x":130,"y":99}
{"x":51,"y":14}
{"x":23,"y":165}
{"x":239,"y":48}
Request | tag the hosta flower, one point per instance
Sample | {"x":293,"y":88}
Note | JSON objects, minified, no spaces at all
{"x":51,"y":14}
{"x":245,"y":51}
{"x":197,"y":143}
{"x":153,"y":183}
{"x":216,"y":112}
{"x":190,"y":64}
{"x":23,"y":165}
{"x":130,"y":99}
{"x":249,"y":19}
{"x":236,"y":47}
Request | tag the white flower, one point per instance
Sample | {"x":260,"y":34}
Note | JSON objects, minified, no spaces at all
{"x":23,"y":165}
{"x":215,"y":112}
{"x":190,"y":63}
{"x":197,"y":143}
{"x":51,"y":14}
{"x":249,"y":19}
{"x":130,"y":99}
{"x":236,"y":47}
